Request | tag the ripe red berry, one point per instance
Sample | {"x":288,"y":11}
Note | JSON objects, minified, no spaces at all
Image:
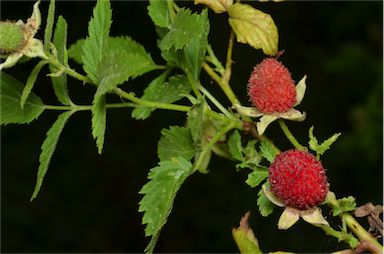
{"x":271,"y":88}
{"x":298,"y":179}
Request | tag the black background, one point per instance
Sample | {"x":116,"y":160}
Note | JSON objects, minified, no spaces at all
{"x":88,"y":202}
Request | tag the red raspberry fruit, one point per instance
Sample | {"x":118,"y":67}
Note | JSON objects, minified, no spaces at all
{"x":271,"y":88}
{"x":298,"y":179}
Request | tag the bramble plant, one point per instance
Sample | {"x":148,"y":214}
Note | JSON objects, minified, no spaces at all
{"x":294,"y":179}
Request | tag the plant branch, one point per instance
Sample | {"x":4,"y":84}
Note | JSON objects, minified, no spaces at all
{"x":224,"y":86}
{"x":152,"y":104}
{"x":213,"y":141}
{"x":360,"y":232}
{"x":289,"y":135}
{"x":228,"y":65}
{"x":215,"y":102}
{"x":68,"y":70}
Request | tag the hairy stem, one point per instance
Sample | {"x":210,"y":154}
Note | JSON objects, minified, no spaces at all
{"x":228,"y":64}
{"x":224,"y":86}
{"x":289,"y":135}
{"x":69,"y":71}
{"x":360,"y":232}
{"x":152,"y":104}
{"x":215,"y":102}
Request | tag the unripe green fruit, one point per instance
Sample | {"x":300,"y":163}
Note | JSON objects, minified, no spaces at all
{"x":11,"y":37}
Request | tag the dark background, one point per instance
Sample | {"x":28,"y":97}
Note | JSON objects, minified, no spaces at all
{"x":88,"y":203}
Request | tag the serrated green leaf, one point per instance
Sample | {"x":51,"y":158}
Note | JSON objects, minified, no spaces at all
{"x":31,"y":82}
{"x":252,"y":158}
{"x":175,"y":142}
{"x":268,"y":151}
{"x":320,"y":149}
{"x":256,"y":177}
{"x":254,"y":27}
{"x":159,"y":91}
{"x":123,"y":58}
{"x":95,"y":45}
{"x":265,"y":206}
{"x":49,"y":25}
{"x":48,"y":148}
{"x":190,"y":58}
{"x":202,"y":130}
{"x":10,"y":93}
{"x":344,"y":205}
{"x":99,"y":118}
{"x":160,"y":192}
{"x":184,"y":27}
{"x":75,"y":51}
{"x":158,"y":11}
{"x":234,"y":146}
{"x":60,"y":43}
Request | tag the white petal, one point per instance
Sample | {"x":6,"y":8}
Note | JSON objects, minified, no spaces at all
{"x":11,"y":60}
{"x":271,"y":197}
{"x":288,"y":218}
{"x":247,"y":111}
{"x":263,"y":123}
{"x":293,"y":115}
{"x":300,"y":90}
{"x":314,"y":217}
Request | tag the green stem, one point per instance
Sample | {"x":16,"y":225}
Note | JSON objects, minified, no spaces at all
{"x":228,"y":64}
{"x":213,"y":141}
{"x":289,"y":135}
{"x":341,"y":236}
{"x":192,"y":82}
{"x":224,"y":86}
{"x":215,"y":102}
{"x":360,"y":232}
{"x":69,"y":71}
{"x":88,"y":107}
{"x":152,"y":104}
{"x":213,"y":59}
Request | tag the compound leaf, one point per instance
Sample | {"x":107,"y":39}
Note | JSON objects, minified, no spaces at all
{"x":49,"y":25}
{"x":95,"y":44}
{"x":60,"y":42}
{"x":159,"y":91}
{"x":184,"y":27}
{"x":159,"y":193}
{"x":175,"y":142}
{"x":256,"y":177}
{"x":99,"y":118}
{"x":75,"y":51}
{"x":158,"y":11}
{"x":268,"y":151}
{"x":10,"y":93}
{"x":31,"y":82}
{"x":48,"y":148}
{"x":234,"y":146}
{"x":265,"y":206}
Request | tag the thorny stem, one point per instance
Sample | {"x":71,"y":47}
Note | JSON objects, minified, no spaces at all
{"x":289,"y":135}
